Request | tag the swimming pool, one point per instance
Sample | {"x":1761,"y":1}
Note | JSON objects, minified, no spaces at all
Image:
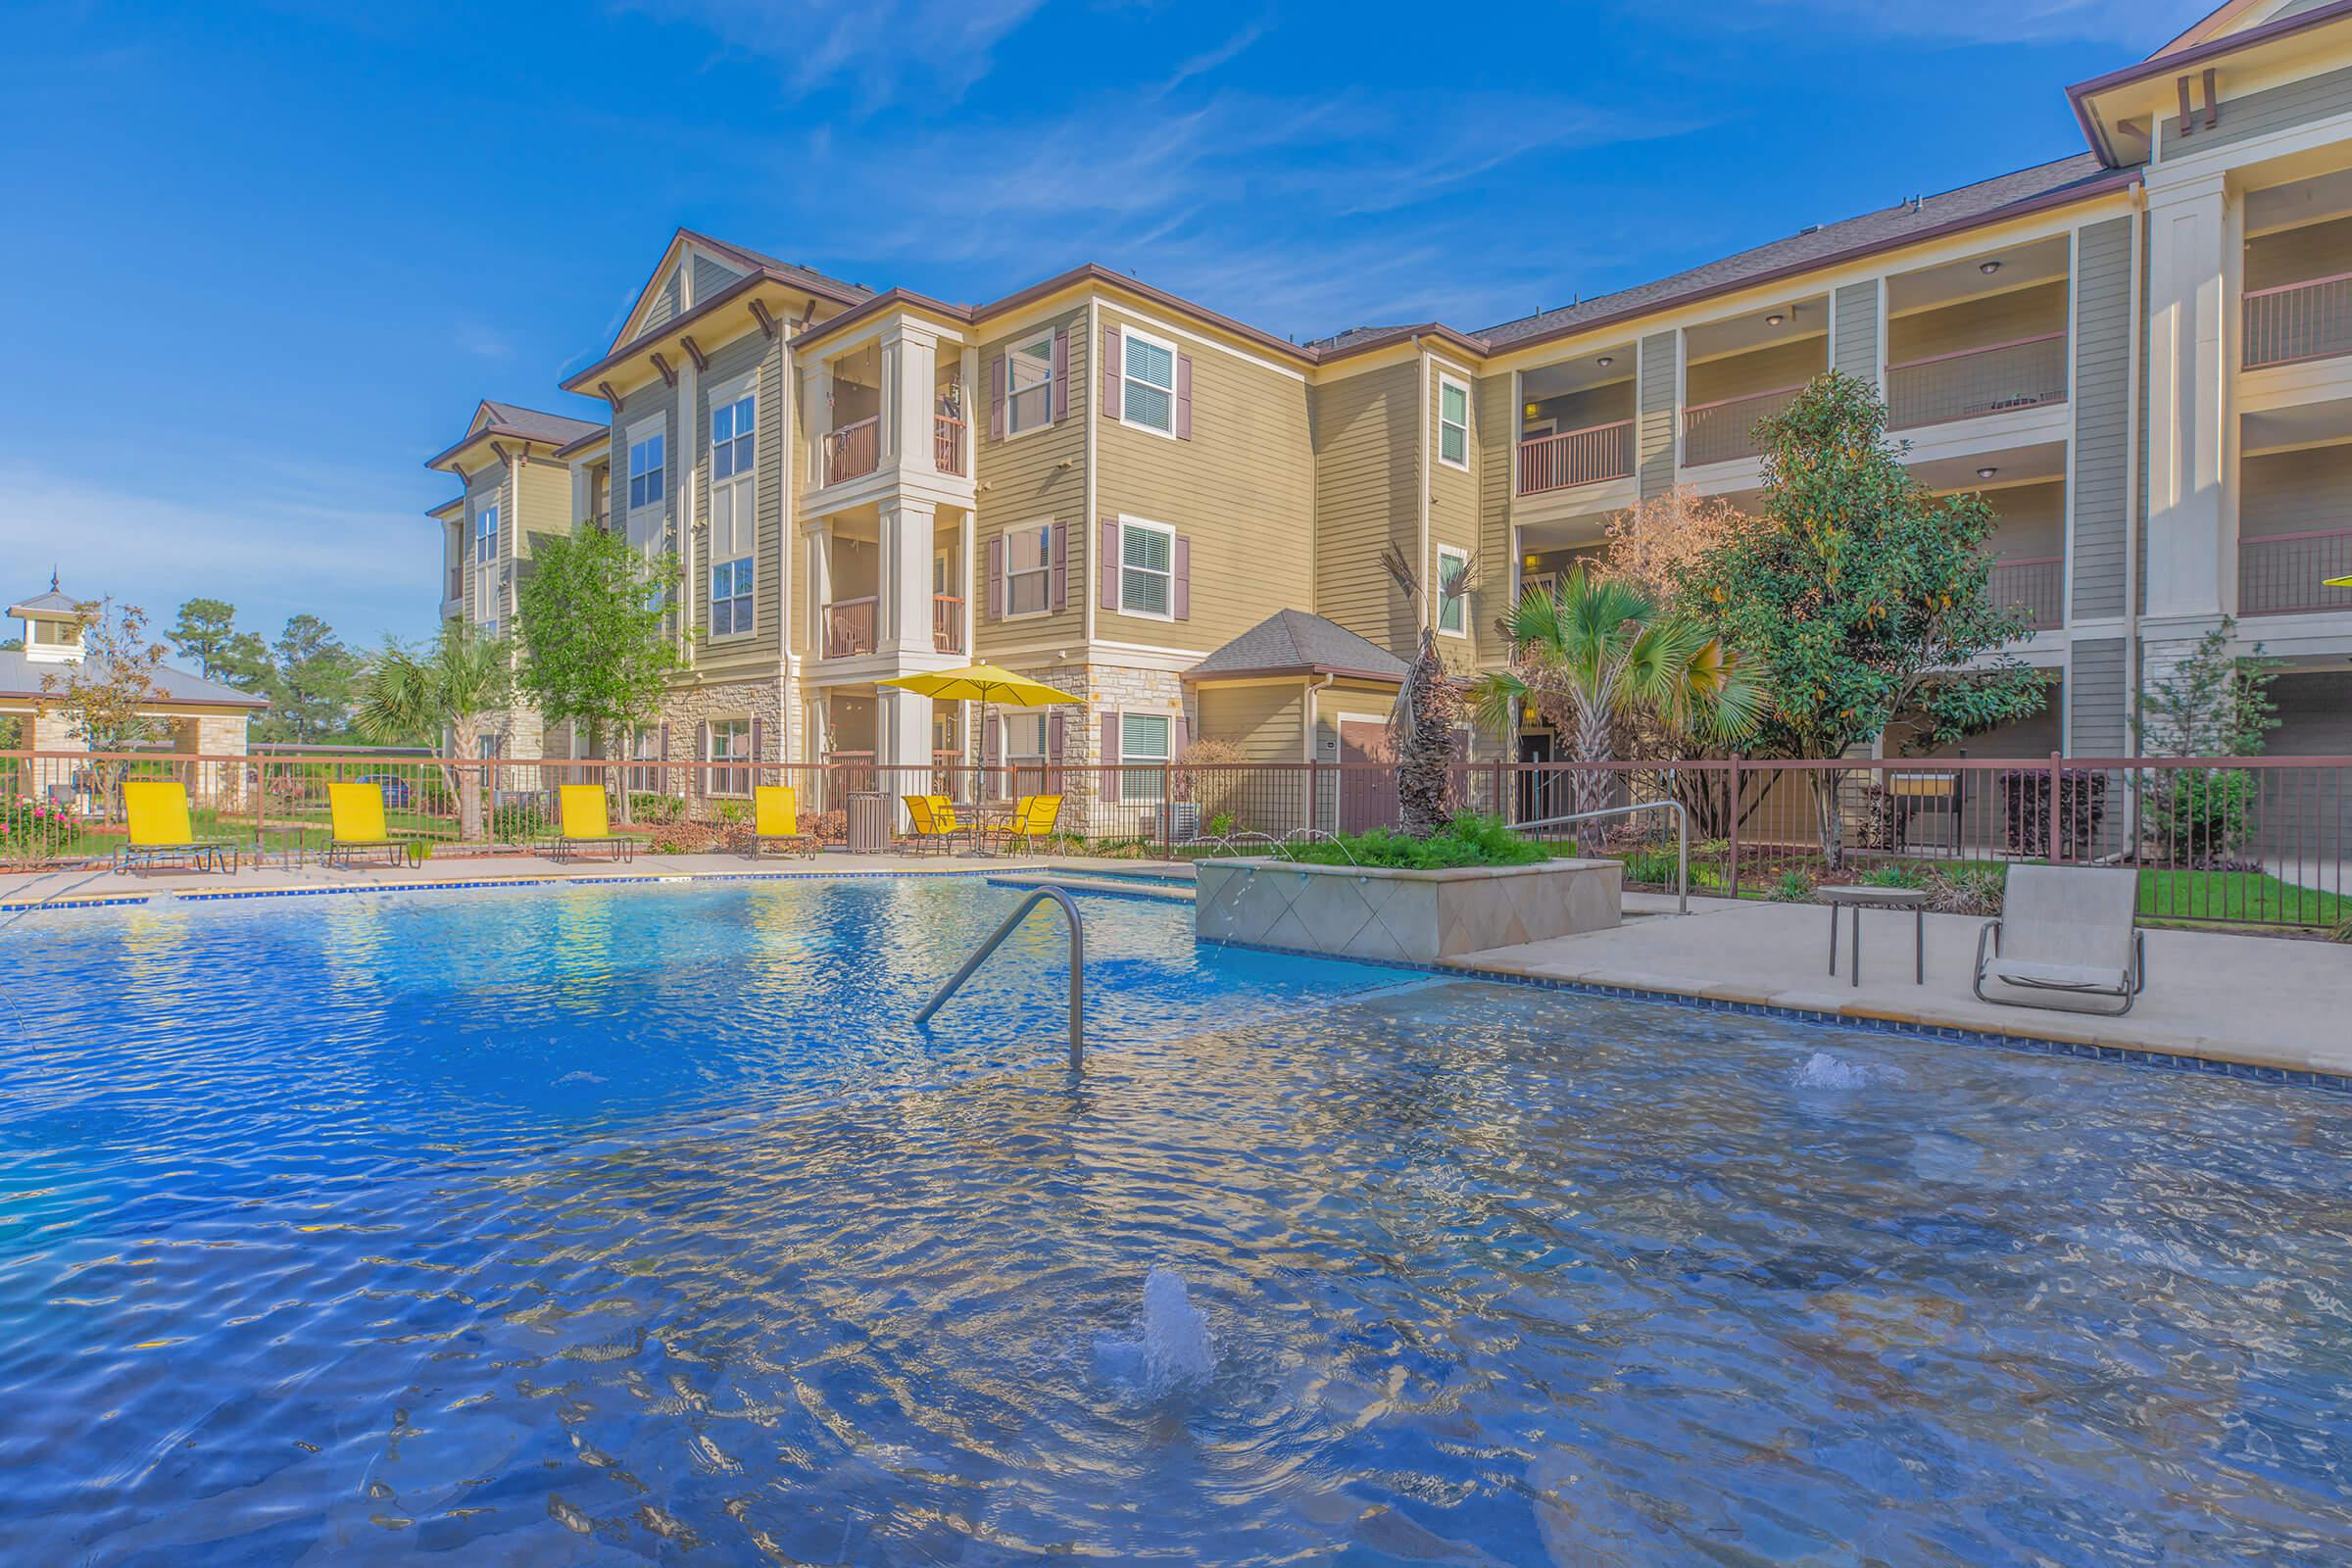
{"x":624,"y":1224}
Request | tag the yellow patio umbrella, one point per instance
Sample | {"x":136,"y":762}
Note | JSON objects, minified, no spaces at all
{"x":2337,"y":582}
{"x":983,"y":684}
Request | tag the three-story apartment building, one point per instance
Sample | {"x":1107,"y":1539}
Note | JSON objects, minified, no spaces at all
{"x":2140,"y":353}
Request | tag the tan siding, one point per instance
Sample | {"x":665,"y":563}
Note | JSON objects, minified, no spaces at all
{"x":1242,"y":490}
{"x":1977,"y":323}
{"x":1268,"y":722}
{"x":543,"y":502}
{"x":1035,"y":478}
{"x":1763,"y":369}
{"x":2296,"y":255}
{"x":1582,"y":410}
{"x":2291,"y":492}
{"x":2032,"y":521}
{"x":1364,"y":500}
{"x":1496,"y":417}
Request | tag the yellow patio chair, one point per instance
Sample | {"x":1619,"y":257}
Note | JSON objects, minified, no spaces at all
{"x":1033,"y":818}
{"x":358,"y":811}
{"x":582,"y":824}
{"x":776,"y":814}
{"x":161,"y":830}
{"x":932,"y":819}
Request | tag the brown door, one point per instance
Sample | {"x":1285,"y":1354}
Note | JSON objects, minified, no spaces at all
{"x":1367,"y":775}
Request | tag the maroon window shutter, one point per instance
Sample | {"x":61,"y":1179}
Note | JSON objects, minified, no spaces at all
{"x":1061,"y":374}
{"x":1181,"y":593}
{"x":1183,"y":397}
{"x":1110,"y":373}
{"x":669,"y":785}
{"x":702,"y":753}
{"x":758,"y":752}
{"x":996,"y":577}
{"x":1110,"y":757}
{"x":1110,"y":564}
{"x":1179,"y":737}
{"x":1054,"y":734}
{"x":992,"y":754}
{"x":995,"y":398}
{"x":1061,"y":572}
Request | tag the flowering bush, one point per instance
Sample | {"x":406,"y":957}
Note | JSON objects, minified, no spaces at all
{"x":25,"y":822}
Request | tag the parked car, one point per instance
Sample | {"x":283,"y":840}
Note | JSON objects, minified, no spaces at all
{"x":395,"y":788}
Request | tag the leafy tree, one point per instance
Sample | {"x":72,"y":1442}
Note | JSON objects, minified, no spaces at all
{"x":311,"y":699}
{"x":448,"y":696}
{"x":203,"y":633}
{"x":1596,"y":653}
{"x":594,"y":648}
{"x":1652,"y":543}
{"x":14,"y":645}
{"x":106,"y":694}
{"x":244,"y":662}
{"x":1865,"y":600}
{"x":2211,"y":704}
{"x":1429,"y":703}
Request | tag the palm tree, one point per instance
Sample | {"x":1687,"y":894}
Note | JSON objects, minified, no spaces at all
{"x":448,"y":694}
{"x":1421,"y":726}
{"x":1597,"y":653}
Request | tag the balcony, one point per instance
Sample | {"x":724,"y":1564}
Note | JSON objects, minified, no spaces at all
{"x":853,"y":450}
{"x":2034,"y":584}
{"x":2027,"y":372}
{"x":946,"y":445}
{"x":457,"y":583}
{"x":947,"y":623}
{"x":2287,"y":573}
{"x":1724,"y":431}
{"x":1573,"y":457}
{"x":849,"y":626}
{"x":2306,"y":321}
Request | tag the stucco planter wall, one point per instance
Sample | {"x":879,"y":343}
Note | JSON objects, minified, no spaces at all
{"x":1409,"y":916}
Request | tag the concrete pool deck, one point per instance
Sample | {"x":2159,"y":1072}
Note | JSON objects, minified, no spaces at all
{"x":2260,"y":1001}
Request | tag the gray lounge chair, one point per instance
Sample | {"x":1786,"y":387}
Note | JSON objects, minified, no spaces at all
{"x":2066,"y":929}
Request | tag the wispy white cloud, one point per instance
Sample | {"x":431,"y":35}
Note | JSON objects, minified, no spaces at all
{"x":2142,"y":24}
{"x":882,"y":50}
{"x":483,"y":342}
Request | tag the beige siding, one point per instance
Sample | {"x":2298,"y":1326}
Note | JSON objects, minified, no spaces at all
{"x":1764,"y":369}
{"x":1035,"y":478}
{"x":1499,"y":453}
{"x":2292,"y":492}
{"x":543,"y":501}
{"x":2032,"y":521}
{"x":1241,"y":491}
{"x":2296,"y":255}
{"x":1455,"y":522}
{"x":1582,"y":410}
{"x":1978,"y":322}
{"x":1364,"y":500}
{"x":1268,"y":722}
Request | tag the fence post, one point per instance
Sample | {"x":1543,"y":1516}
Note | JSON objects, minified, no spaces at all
{"x":1167,"y":804}
{"x":1732,"y":832}
{"x":260,"y":794}
{"x":1503,"y":805}
{"x":2054,"y":821}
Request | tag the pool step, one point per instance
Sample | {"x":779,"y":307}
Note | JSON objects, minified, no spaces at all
{"x":1087,"y":884}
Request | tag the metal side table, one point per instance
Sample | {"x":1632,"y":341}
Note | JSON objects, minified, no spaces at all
{"x":1857,"y":899}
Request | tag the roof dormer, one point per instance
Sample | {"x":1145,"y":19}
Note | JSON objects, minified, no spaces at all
{"x":53,"y":627}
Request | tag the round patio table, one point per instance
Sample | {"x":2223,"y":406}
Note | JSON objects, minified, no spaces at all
{"x":1858,"y":898}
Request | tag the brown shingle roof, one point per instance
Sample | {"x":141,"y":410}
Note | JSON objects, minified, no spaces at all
{"x":1293,"y":642}
{"x":538,"y":425}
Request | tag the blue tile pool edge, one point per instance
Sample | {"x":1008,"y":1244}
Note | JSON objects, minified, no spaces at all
{"x":485,"y":884}
{"x":2037,"y":1045}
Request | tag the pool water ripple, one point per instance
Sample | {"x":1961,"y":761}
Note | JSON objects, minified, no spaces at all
{"x":635,"y":1225}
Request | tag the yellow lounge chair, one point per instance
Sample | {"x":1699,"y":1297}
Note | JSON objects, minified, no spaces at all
{"x":159,"y":829}
{"x":583,"y":824}
{"x":933,"y":820}
{"x":358,"y":811}
{"x":777,"y":819}
{"x":1033,"y":818}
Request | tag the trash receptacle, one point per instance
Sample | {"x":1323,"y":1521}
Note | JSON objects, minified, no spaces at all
{"x":870,"y":821}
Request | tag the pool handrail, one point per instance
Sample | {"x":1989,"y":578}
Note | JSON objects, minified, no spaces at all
{"x":1682,"y":823}
{"x":1077,"y":927}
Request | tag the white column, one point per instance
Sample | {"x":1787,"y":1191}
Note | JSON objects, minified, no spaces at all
{"x":902,"y":622}
{"x":903,"y":737}
{"x":910,"y":373}
{"x":820,"y":587}
{"x":2189,"y":230}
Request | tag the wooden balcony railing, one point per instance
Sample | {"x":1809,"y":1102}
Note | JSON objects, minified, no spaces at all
{"x":1719,"y":431}
{"x":947,"y":623}
{"x":849,"y":626}
{"x":2287,"y":573}
{"x":1572,"y":457}
{"x":2306,"y":321}
{"x":947,"y":444}
{"x":853,"y":450}
{"x":2034,"y":584}
{"x":2027,"y":372}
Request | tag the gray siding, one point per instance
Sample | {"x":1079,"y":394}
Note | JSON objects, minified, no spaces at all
{"x":662,"y":307}
{"x":753,"y":352}
{"x":1654,"y":433}
{"x":710,"y":277}
{"x":1857,"y":331}
{"x":2103,"y":395}
{"x":2309,"y":812}
{"x":2096,"y":695}
{"x":2291,"y":492}
{"x":2258,"y":113}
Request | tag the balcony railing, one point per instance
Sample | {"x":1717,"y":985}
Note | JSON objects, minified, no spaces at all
{"x":1572,"y":457}
{"x":849,"y":627}
{"x":2034,"y":584}
{"x":1718,"y":433}
{"x":947,"y":444}
{"x":853,"y":450}
{"x":2306,"y":321}
{"x":947,"y":623}
{"x":2027,"y":372}
{"x":2284,"y":573}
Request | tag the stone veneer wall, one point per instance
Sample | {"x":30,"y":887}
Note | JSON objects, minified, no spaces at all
{"x":1104,"y":688}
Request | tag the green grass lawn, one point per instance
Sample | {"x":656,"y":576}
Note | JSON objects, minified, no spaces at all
{"x":2236,"y":896}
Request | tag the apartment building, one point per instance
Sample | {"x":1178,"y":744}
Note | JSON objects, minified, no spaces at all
{"x":2141,"y":352}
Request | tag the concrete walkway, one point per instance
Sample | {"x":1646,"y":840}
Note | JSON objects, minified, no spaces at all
{"x":2271,"y":1002}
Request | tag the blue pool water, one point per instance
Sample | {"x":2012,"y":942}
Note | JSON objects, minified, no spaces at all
{"x":637,"y":1225}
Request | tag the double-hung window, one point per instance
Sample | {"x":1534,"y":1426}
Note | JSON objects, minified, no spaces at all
{"x":734,"y":510}
{"x":731,"y":742}
{"x":1143,"y":739}
{"x":731,"y":596}
{"x":1146,"y":568}
{"x":1028,"y":568}
{"x":648,"y":470}
{"x":1453,"y":423}
{"x":1025,"y":752}
{"x":485,"y":571}
{"x":731,"y":437}
{"x":1029,"y":396}
{"x":1453,"y":609}
{"x":1148,"y":376}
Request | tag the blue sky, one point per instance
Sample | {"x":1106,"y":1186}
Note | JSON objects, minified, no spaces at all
{"x":262,"y":261}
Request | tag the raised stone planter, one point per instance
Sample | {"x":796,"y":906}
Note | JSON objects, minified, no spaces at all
{"x":1409,"y":916}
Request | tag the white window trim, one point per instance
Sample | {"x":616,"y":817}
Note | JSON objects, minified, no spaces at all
{"x":487,"y":575}
{"x":711,"y":600}
{"x":1448,"y":553}
{"x":1444,"y":381}
{"x":1175,"y":375}
{"x":645,"y":429}
{"x":734,"y":390}
{"x":1044,"y":571}
{"x":1048,"y":422}
{"x":1127,"y":760}
{"x":710,"y":745}
{"x":1168,"y":614}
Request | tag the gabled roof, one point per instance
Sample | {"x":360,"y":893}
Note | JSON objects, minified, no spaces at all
{"x":47,"y":602}
{"x":1292,"y":642}
{"x":517,"y":423}
{"x":749,"y":262}
{"x":21,"y":676}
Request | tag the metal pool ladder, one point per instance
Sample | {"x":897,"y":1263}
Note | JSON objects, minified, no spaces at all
{"x":1077,"y":925}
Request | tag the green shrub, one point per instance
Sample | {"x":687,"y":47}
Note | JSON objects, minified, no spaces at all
{"x":1894,"y":874}
{"x":650,"y":806}
{"x":518,"y":822}
{"x":1467,"y":840}
{"x":418,"y":852}
{"x":1791,"y":886}
{"x":1654,"y":866}
{"x":1220,"y":824}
